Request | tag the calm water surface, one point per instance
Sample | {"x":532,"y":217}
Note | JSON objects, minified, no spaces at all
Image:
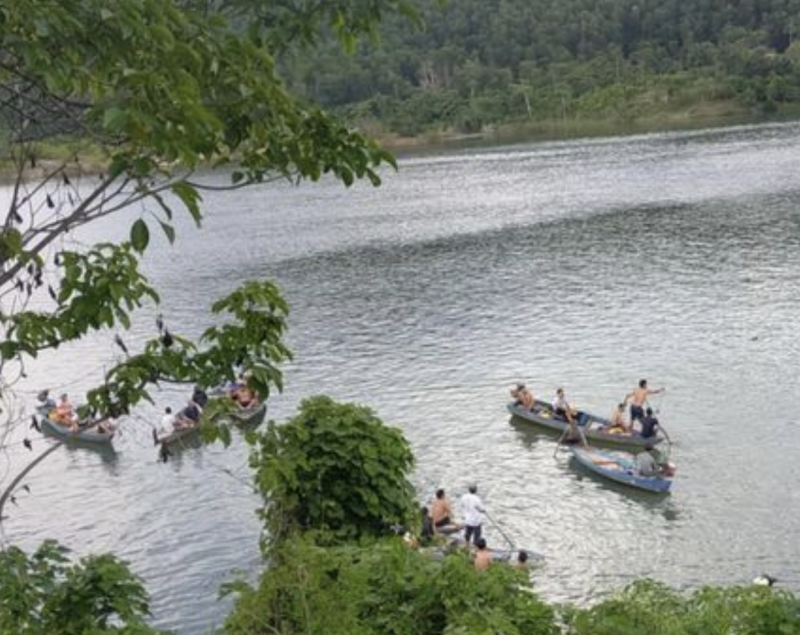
{"x":585,"y":264}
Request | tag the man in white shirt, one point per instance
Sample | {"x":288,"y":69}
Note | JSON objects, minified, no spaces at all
{"x":472,"y":511}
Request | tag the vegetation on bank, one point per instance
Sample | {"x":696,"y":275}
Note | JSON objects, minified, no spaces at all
{"x":625,"y":65}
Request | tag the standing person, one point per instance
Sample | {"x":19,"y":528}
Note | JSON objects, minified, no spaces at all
{"x":166,"y":427}
{"x":472,"y":509}
{"x":638,"y":399}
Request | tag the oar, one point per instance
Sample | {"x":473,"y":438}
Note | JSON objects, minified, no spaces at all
{"x":502,"y":533}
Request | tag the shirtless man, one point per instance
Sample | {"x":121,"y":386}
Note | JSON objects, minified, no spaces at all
{"x":523,"y":396}
{"x":441,"y":511}
{"x":638,"y":399}
{"x":483,"y":557}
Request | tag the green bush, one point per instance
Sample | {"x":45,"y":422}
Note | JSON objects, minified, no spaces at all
{"x":334,"y":469}
{"x":45,"y":594}
{"x":650,"y":608}
{"x":386,"y":589}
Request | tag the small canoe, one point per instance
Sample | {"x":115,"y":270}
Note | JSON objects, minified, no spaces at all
{"x":508,"y":556}
{"x":250,"y":417}
{"x":594,"y":428}
{"x":189,"y":437}
{"x":620,"y":467}
{"x":87,"y":434}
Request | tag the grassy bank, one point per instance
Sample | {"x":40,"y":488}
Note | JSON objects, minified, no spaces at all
{"x":715,"y":114}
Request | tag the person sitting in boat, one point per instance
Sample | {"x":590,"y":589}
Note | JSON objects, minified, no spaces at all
{"x":245,"y":397}
{"x":650,"y":425}
{"x":561,"y":407}
{"x":483,"y":557}
{"x":522,"y":397}
{"x":188,"y":417}
{"x":647,"y":462}
{"x":46,"y":402}
{"x":65,"y":413}
{"x":616,"y":422}
{"x":442,"y":511}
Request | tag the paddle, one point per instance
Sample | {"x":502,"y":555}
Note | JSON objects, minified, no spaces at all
{"x":502,"y":533}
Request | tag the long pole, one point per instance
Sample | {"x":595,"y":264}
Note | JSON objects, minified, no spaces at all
{"x":502,"y":533}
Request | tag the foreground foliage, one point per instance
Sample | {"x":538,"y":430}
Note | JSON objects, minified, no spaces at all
{"x":334,"y":469}
{"x":386,"y":589}
{"x":651,"y":608}
{"x":45,"y":593}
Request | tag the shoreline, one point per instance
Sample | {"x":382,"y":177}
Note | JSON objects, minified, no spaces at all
{"x":711,"y":116}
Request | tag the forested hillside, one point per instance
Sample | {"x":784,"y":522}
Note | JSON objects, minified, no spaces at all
{"x":479,"y":63}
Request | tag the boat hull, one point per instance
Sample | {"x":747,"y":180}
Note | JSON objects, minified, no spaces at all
{"x":250,"y":417}
{"x":620,"y":467}
{"x":590,"y":425}
{"x":87,"y":435}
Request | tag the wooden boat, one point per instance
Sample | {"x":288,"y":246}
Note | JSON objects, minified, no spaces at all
{"x":593,"y":427}
{"x":182,"y":437}
{"x":620,"y":467}
{"x":85,"y":434}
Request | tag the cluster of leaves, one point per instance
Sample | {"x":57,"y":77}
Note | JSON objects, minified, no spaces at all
{"x":653,"y":608}
{"x":46,"y":593}
{"x":335,"y":470}
{"x":385,"y":588}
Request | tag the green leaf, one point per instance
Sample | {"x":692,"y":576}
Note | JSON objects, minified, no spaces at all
{"x":169,"y":230}
{"x":140,"y":235}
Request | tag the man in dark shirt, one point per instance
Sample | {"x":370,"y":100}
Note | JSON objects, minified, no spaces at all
{"x":649,"y":424}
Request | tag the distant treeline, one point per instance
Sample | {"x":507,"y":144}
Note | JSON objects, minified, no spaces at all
{"x":480,"y":63}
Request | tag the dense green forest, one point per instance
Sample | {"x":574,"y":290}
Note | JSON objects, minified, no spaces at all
{"x":564,"y":63}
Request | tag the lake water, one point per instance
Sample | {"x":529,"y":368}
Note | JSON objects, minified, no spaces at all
{"x":583,"y":264}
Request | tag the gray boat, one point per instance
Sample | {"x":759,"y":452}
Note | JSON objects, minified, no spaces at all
{"x":594,"y":428}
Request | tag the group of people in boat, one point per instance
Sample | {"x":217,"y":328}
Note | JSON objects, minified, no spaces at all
{"x":439,"y":520}
{"x":189,"y":416}
{"x":636,"y":402}
{"x":64,"y":414}
{"x":186,"y":418}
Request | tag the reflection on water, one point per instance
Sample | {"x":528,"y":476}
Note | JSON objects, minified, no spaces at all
{"x":582,"y":264}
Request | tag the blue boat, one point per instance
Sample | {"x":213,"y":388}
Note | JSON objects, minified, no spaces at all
{"x":620,"y":467}
{"x":594,"y":428}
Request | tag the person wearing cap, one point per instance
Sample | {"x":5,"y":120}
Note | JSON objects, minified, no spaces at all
{"x":472,"y":511}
